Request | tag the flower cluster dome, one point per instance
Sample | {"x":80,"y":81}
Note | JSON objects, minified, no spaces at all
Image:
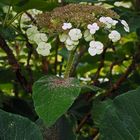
{"x":74,"y":23}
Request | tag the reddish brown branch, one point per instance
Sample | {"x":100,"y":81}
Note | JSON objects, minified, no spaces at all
{"x":101,"y":65}
{"x":83,"y":121}
{"x":14,"y":64}
{"x":117,"y":62}
{"x":31,"y":17}
{"x":118,"y":83}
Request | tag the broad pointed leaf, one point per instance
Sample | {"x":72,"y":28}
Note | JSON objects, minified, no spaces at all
{"x":53,"y":96}
{"x":15,"y":127}
{"x":121,"y":120}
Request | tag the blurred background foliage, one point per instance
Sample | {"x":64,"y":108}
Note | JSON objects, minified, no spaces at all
{"x":115,"y":71}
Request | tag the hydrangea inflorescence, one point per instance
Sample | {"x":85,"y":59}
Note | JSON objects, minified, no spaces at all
{"x":76,"y":22}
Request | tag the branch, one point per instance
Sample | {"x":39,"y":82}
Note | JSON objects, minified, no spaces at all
{"x":77,"y":59}
{"x":83,"y":121}
{"x":128,"y":71}
{"x":101,"y":65}
{"x":14,"y":64}
{"x":28,"y":67}
{"x":31,"y":17}
{"x":117,"y":62}
{"x":96,"y":137}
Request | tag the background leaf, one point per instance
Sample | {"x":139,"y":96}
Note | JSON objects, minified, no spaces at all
{"x":14,"y":127}
{"x":121,"y":120}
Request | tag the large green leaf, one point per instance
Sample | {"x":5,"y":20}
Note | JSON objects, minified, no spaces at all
{"x":62,"y":130}
{"x":99,"y":109}
{"x":121,"y":120}
{"x":24,"y":5}
{"x":36,"y":4}
{"x":15,"y":127}
{"x":53,"y":96}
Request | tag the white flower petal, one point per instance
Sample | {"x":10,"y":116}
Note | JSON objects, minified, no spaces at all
{"x":69,"y":41}
{"x":102,"y":19}
{"x":108,"y":21}
{"x":40,"y":37}
{"x":93,"y":28}
{"x":114,"y":22}
{"x":75,"y":34}
{"x":86,"y":33}
{"x":31,"y":31}
{"x":66,"y":26}
{"x":92,"y":51}
{"x":43,"y":48}
{"x":92,"y":31}
{"x":125,"y":24}
{"x":99,"y":51}
{"x":76,"y":42}
{"x":63,"y":37}
{"x":96,"y":47}
{"x":99,"y":45}
{"x":43,"y":37}
{"x":87,"y":36}
{"x":123,"y":4}
{"x":70,"y":47}
{"x":92,"y":44}
{"x":44,"y":45}
{"x":114,"y":36}
{"x":89,"y":26}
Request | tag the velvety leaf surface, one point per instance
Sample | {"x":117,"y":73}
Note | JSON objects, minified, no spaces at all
{"x":15,"y":127}
{"x":53,"y":96}
{"x":121,"y":120}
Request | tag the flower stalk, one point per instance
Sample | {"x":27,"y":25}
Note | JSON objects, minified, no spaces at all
{"x":69,"y":64}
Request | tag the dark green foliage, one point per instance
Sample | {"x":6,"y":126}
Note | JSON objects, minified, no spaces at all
{"x":17,"y":127}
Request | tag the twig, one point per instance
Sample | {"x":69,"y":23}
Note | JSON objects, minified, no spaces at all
{"x":96,"y":137}
{"x":31,"y":17}
{"x":117,"y":62}
{"x":45,"y":64}
{"x":96,"y":76}
{"x":56,"y":55}
{"x":128,"y":71}
{"x":28,"y":67}
{"x":83,"y":121}
{"x":86,"y":117}
{"x":15,"y":65}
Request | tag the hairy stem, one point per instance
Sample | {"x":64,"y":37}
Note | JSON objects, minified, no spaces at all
{"x":7,"y":15}
{"x":69,"y":64}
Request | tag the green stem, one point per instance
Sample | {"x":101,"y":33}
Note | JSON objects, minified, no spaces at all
{"x":7,"y":15}
{"x":69,"y":64}
{"x":13,"y":19}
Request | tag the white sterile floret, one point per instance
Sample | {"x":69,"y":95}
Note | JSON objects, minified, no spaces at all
{"x":66,"y":26}
{"x":87,"y":36}
{"x":102,"y":19}
{"x":114,"y":22}
{"x":75,"y":34}
{"x":93,"y":28}
{"x":32,"y":31}
{"x":125,"y":24}
{"x":114,"y":36}
{"x":40,"y":37}
{"x":43,"y":48}
{"x":63,"y":37}
{"x":70,"y":47}
{"x":96,"y":47}
{"x":123,"y":4}
{"x":71,"y":42}
{"x":108,"y":21}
